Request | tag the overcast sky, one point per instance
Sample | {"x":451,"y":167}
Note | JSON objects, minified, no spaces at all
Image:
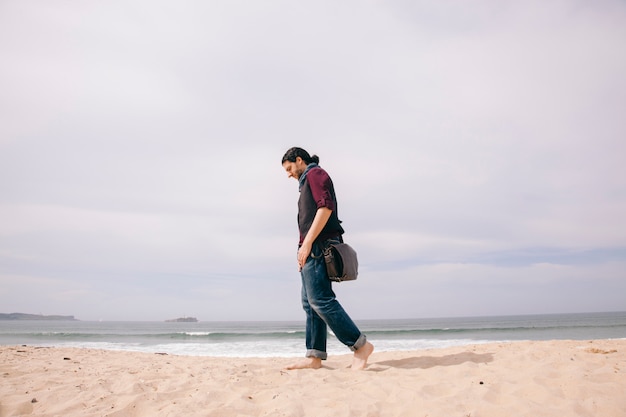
{"x":478,"y":150}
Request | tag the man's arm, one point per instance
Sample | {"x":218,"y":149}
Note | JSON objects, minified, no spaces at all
{"x":319,"y":221}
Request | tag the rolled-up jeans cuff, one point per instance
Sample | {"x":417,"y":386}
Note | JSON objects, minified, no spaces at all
{"x":314,"y":353}
{"x":360,"y":342}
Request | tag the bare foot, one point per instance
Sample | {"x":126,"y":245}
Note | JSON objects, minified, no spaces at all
{"x":308,"y":363}
{"x":359,"y":362}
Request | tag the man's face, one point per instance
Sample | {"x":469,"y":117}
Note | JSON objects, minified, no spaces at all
{"x":294,"y":169}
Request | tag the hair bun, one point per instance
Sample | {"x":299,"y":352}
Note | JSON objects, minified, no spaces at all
{"x":315,"y":159}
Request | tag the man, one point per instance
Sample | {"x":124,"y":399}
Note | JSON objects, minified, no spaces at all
{"x":318,"y":223}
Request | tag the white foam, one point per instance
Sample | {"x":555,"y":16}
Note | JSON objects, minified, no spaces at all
{"x":277,"y":348}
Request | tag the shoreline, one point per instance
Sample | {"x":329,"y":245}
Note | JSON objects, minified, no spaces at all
{"x":286,"y":338}
{"x":538,"y":378}
{"x":335,"y":348}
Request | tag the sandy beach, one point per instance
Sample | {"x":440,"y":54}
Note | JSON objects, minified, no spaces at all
{"x":552,"y":378}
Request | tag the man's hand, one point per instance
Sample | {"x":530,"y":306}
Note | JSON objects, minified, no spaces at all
{"x":303,"y":254}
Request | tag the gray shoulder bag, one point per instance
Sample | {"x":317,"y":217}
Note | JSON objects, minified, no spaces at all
{"x":341,"y":262}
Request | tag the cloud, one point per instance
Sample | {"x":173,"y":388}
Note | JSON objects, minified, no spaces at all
{"x":139,"y":149}
{"x":464,"y":289}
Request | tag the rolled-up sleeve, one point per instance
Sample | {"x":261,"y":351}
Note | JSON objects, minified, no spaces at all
{"x":321,"y":188}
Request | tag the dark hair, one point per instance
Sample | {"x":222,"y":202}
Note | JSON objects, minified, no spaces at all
{"x":295,"y":152}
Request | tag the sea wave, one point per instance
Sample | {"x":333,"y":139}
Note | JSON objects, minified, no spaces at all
{"x":287,"y":338}
{"x":471,"y":332}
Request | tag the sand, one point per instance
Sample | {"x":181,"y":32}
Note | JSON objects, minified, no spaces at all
{"x":552,"y":378}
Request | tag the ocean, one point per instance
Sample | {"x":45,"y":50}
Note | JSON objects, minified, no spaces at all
{"x":286,"y":339}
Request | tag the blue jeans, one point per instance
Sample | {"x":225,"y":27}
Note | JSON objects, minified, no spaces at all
{"x":322,"y":309}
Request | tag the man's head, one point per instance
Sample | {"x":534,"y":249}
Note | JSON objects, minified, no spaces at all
{"x":296,"y":160}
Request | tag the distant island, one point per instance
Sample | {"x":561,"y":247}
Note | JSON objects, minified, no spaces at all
{"x":183,"y":320}
{"x":23,"y":316}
